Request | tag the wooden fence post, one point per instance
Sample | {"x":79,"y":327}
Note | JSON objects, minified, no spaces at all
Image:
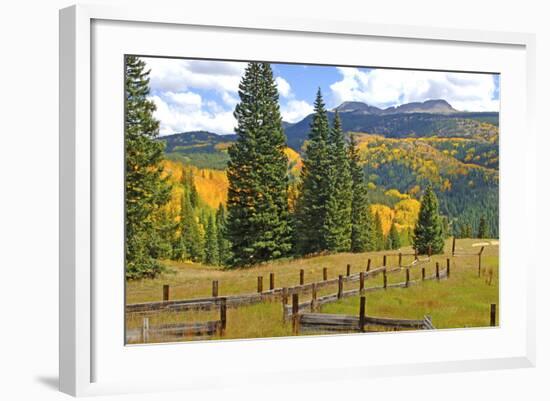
{"x":423,"y":273}
{"x":368,"y":265}
{"x":430,"y":250}
{"x":165,"y":292}
{"x":415,"y":254}
{"x":493,"y":315}
{"x":348,"y":270}
{"x":407,"y":277}
{"x":284,"y":299}
{"x":214,"y":288}
{"x":362,"y":312}
{"x":340,"y":286}
{"x":271,"y":281}
{"x":260,"y":284}
{"x":313,"y":297}
{"x":385,"y":279}
{"x":384,"y":261}
{"x":145,"y":330}
{"x":479,"y":261}
{"x":454,"y":246}
{"x":448,"y":267}
{"x":437,"y":270}
{"x":295,"y":315}
{"x":361,"y":282}
{"x":325,"y":274}
{"x":400,"y":259}
{"x":301,"y":276}
{"x":223,"y":314}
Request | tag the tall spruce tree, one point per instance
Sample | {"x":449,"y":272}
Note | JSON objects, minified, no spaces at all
{"x":224,"y":246}
{"x":428,"y":230}
{"x":379,"y":242}
{"x":482,"y":231}
{"x":257,"y":206}
{"x":360,"y":214}
{"x":394,"y":240}
{"x":314,"y":190}
{"x":338,"y":225}
{"x":145,"y":189}
{"x":211,"y":252}
{"x":193,"y":241}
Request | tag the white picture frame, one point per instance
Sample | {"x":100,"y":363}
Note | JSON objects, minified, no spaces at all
{"x":91,"y":361}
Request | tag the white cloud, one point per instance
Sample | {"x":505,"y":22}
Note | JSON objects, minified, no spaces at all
{"x":383,"y":88}
{"x":284,"y":87}
{"x":295,"y":110}
{"x":179,"y":75}
{"x":186,"y":111}
{"x":177,"y":87}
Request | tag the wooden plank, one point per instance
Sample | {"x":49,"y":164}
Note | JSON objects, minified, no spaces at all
{"x":362,"y":306}
{"x":223,"y":315}
{"x":295,"y":315}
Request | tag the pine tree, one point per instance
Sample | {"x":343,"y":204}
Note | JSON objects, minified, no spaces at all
{"x":224,"y":246}
{"x":482,"y":228}
{"x":394,"y":240}
{"x":257,"y":209}
{"x":211,"y":253}
{"x":428,"y":229}
{"x":360,"y":215}
{"x":193,"y":241}
{"x":379,"y":242}
{"x":337,"y":225}
{"x":145,"y":189}
{"x":311,"y":213}
{"x":193,"y":194}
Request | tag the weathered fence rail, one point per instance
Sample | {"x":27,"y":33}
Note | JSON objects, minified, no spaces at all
{"x":187,"y":329}
{"x":325,"y":322}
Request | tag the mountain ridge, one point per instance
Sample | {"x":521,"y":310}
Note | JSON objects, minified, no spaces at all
{"x":433,"y":106}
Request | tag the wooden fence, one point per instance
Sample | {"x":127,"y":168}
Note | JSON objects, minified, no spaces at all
{"x":315,"y":302}
{"x":190,"y":330}
{"x":324,"y":322}
{"x":209,"y":303}
{"x":465,"y":254}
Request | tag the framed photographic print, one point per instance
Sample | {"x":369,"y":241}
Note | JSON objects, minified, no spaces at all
{"x":301,"y":185}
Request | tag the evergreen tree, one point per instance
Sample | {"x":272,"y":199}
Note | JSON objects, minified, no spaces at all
{"x":211,"y":253}
{"x":193,"y":194}
{"x":337,"y":225}
{"x":257,"y":208}
{"x":378,"y":241}
{"x":482,"y":228}
{"x":428,"y":229}
{"x":465,"y":231}
{"x":311,"y":213}
{"x":224,"y":246}
{"x":360,"y":215}
{"x":145,"y":189}
{"x":394,"y":240}
{"x":193,"y":241}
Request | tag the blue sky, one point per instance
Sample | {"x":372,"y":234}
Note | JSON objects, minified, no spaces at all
{"x":201,"y":94}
